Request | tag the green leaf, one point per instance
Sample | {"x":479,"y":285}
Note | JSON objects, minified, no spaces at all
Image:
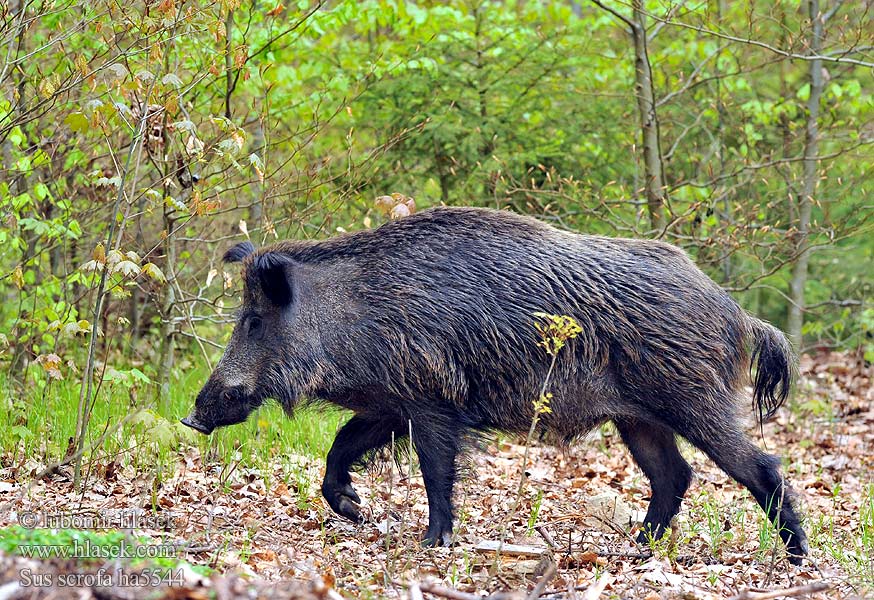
{"x":139,"y":375}
{"x":21,"y":201}
{"x":41,"y":190}
{"x":77,"y":121}
{"x":22,"y":432}
{"x":16,"y":137}
{"x":40,"y":158}
{"x":803,"y":93}
{"x":152,"y":270}
{"x":146,"y":418}
{"x":74,"y":229}
{"x":77,"y":327}
{"x":175,"y":204}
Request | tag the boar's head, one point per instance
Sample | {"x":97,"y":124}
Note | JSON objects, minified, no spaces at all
{"x":259,"y":361}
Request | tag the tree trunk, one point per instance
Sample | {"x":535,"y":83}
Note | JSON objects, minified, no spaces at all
{"x":135,"y":310}
{"x":801,"y":242}
{"x":19,"y":185}
{"x":168,"y":327}
{"x":256,"y":209}
{"x":229,"y":61}
{"x":441,"y":161}
{"x":654,"y":183}
{"x":724,"y":212}
{"x":487,"y":147}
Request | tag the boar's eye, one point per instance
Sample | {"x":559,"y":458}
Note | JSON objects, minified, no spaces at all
{"x":254,"y":326}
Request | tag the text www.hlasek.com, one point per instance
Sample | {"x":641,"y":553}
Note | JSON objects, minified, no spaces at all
{"x":85,"y":549}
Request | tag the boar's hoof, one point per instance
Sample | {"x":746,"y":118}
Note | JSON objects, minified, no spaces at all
{"x":344,"y":501}
{"x":434,"y":538}
{"x":649,"y":534}
{"x":797,"y":551}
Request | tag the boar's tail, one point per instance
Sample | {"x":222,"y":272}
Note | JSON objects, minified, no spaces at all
{"x":774,"y":363}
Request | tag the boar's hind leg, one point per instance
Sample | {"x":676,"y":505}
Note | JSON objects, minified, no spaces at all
{"x":355,"y":439}
{"x":654,"y":448}
{"x":760,"y":474}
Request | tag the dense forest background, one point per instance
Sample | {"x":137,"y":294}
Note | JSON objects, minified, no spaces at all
{"x":140,"y":140}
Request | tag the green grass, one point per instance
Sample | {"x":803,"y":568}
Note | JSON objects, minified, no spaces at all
{"x":851,"y":547}
{"x":39,"y":423}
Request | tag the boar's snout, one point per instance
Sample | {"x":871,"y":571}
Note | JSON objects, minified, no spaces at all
{"x":191,"y":421}
{"x":218,"y":405}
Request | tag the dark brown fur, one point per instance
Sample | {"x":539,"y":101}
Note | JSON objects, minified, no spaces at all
{"x":429,"y":319}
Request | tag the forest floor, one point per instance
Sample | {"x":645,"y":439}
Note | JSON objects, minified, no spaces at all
{"x":234,"y":532}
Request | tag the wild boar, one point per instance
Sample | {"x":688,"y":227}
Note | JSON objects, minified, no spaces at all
{"x":427,"y":322}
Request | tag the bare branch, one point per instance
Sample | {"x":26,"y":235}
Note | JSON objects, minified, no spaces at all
{"x":831,"y":58}
{"x":618,"y":15}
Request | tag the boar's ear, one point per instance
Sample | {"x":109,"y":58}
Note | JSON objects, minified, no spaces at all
{"x":272,"y":272}
{"x":238,"y":252}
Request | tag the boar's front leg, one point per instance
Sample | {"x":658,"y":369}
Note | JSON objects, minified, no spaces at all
{"x":437,"y":439}
{"x":355,"y":439}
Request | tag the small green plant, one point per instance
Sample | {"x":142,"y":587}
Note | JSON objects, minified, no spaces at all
{"x":851,"y":547}
{"x":303,"y":486}
{"x":766,"y":536}
{"x":555,"y":331}
{"x":536,"y":505}
{"x":714,"y":520}
{"x":246,"y":549}
{"x":666,"y":546}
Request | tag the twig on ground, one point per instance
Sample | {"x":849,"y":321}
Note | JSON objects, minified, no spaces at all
{"x":594,"y":591}
{"x":444,"y":592}
{"x":615,"y":527}
{"x":416,"y":592}
{"x":546,"y":537}
{"x":195,"y":549}
{"x":638,"y":555}
{"x":778,"y":525}
{"x":541,"y":585}
{"x":793,"y":592}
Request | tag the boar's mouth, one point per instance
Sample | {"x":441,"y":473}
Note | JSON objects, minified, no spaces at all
{"x":191,"y":421}
{"x":218,"y":405}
